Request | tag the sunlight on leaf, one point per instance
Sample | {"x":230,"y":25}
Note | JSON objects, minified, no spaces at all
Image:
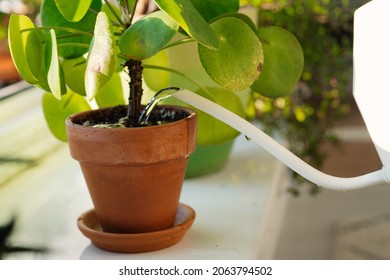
{"x":101,"y":62}
{"x":157,"y":79}
{"x":56,"y":112}
{"x":54,"y":76}
{"x":112,"y":93}
{"x":23,"y":42}
{"x":73,"y":10}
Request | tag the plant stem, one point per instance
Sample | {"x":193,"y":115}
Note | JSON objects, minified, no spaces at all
{"x":80,"y":45}
{"x":135,"y":73}
{"x":67,"y":29}
{"x":179,"y":42}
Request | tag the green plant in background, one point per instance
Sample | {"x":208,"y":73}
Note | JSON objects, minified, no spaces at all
{"x":77,"y":53}
{"x":321,"y":98}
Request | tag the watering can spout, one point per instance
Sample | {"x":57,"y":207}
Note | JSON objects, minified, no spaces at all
{"x":371,"y":92}
{"x":295,"y":163}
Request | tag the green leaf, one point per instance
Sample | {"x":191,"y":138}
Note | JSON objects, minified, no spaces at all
{"x":212,"y":131}
{"x":74,"y":72}
{"x":51,"y":17}
{"x":73,"y":10}
{"x":111,"y":16}
{"x":112,"y":93}
{"x":210,"y":9}
{"x":237,"y":62}
{"x":157,"y":79}
{"x":186,"y":15}
{"x":283,"y":64}
{"x":25,"y":47}
{"x":101,"y":62}
{"x":56,"y":112}
{"x":240,"y":16}
{"x":148,"y":35}
{"x":55,"y":78}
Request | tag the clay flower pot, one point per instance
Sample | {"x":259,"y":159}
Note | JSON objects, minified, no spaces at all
{"x":134,"y":175}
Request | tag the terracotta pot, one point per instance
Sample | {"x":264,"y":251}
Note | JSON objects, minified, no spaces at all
{"x":134,"y":175}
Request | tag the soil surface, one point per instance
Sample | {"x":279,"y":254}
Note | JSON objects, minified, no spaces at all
{"x":117,"y":117}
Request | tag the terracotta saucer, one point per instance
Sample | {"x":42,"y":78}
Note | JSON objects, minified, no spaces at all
{"x":138,"y":242}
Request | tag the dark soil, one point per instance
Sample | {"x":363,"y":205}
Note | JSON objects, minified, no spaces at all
{"x":118,"y":114}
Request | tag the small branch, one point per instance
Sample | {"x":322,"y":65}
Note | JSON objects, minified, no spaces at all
{"x":81,"y":45}
{"x":118,"y":18}
{"x":179,"y":42}
{"x":68,"y":36}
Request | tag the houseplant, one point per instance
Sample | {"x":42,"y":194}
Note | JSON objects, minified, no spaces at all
{"x":76,"y":55}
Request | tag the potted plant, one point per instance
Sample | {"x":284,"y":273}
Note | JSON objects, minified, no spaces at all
{"x":75,"y":56}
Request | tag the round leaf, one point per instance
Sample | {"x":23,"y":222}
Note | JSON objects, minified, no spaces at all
{"x":74,"y":72}
{"x":236,"y":64}
{"x":22,"y":44}
{"x":148,"y":35}
{"x":73,"y":10}
{"x":112,"y":93}
{"x":56,"y":112}
{"x":283,"y":63}
{"x":51,"y":16}
{"x":157,"y":79}
{"x":213,"y":131}
{"x":210,"y":130}
{"x":101,"y":62}
{"x":186,"y":15}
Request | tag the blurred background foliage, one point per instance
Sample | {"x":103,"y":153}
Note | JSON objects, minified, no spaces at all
{"x":322,"y":97}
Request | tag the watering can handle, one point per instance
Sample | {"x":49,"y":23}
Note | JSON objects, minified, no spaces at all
{"x":277,"y":150}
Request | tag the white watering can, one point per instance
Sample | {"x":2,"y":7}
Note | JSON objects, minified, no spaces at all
{"x":371,"y":91}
